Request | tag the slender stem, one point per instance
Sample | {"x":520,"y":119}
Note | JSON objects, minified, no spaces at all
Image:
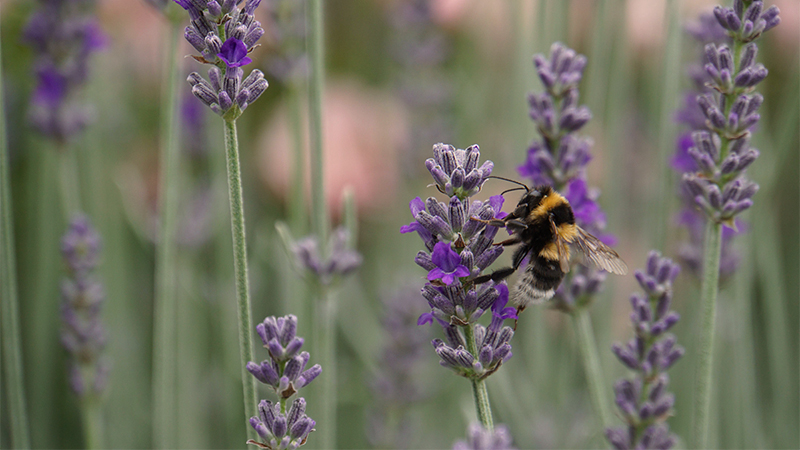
{"x":316,"y":52}
{"x":671,"y":74}
{"x":325,"y":350}
{"x":165,"y":411}
{"x":705,"y":348}
{"x":92,"y":418}
{"x":324,"y":316}
{"x":482,"y":406}
{"x":12,"y":353}
{"x":68,"y":176}
{"x":591,"y":364}
{"x":240,"y":269}
{"x":297,"y":208}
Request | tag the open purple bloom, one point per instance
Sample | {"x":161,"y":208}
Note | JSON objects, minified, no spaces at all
{"x":448,"y":264}
{"x":499,"y":309}
{"x":234,"y":53}
{"x":52,"y":88}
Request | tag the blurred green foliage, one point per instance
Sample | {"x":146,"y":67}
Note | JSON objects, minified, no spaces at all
{"x":541,"y":392}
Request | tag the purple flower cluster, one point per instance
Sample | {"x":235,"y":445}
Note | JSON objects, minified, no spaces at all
{"x":493,"y":350}
{"x":643,"y":401}
{"x":288,"y":60}
{"x":285,"y":372}
{"x":721,"y":112}
{"x":721,"y":151}
{"x":224,"y":35}
{"x":341,"y":260}
{"x":64,"y":36}
{"x":281,"y":430}
{"x":479,"y":438}
{"x":559,"y":158}
{"x":458,"y":250}
{"x":82,"y":297}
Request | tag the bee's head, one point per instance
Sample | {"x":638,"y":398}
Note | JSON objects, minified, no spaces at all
{"x":532,"y":199}
{"x":544,"y":201}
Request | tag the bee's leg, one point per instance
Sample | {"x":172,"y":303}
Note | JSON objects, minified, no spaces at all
{"x":519,"y":255}
{"x":501,"y":274}
{"x":514,"y":239}
{"x":520,"y":308}
{"x":496,"y":276}
{"x":492,"y":222}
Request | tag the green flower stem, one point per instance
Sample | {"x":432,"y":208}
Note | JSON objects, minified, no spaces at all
{"x":68,"y":176}
{"x":92,"y":418}
{"x":591,"y":364}
{"x":708,"y":296}
{"x":324,"y":317}
{"x":667,"y":127}
{"x":240,"y":270}
{"x":708,"y":310}
{"x":482,"y":406}
{"x":316,"y":52}
{"x":325,"y":349}
{"x":165,"y":413}
{"x":297,"y":209}
{"x":12,"y":353}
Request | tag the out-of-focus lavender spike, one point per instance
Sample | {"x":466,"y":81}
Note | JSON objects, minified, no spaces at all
{"x":643,"y":400}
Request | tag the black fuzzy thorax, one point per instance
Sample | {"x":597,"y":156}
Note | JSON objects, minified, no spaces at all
{"x":539,"y":232}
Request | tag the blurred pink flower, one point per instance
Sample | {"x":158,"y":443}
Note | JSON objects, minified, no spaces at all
{"x":362,"y":130}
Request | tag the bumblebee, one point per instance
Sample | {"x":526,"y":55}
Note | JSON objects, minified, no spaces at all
{"x":543,"y":225}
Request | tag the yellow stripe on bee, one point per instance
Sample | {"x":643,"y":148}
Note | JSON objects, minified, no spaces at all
{"x":567,"y":231}
{"x":550,"y":251}
{"x":547,"y":204}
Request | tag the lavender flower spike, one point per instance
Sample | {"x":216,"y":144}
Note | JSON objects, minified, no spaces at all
{"x":341,"y":261}
{"x":64,"y":36}
{"x":83,"y":333}
{"x":643,"y":401}
{"x":458,"y":247}
{"x":223,"y":34}
{"x":718,"y":185}
{"x":285,"y":371}
{"x":282,"y":431}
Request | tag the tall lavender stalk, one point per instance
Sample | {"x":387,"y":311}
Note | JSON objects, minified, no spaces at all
{"x":722,"y":153}
{"x":64,"y":35}
{"x":643,"y":401}
{"x":559,"y":157}
{"x":324,"y":316}
{"x":458,"y":249}
{"x":9,"y":309}
{"x":223,"y":34}
{"x":165,"y":412}
{"x":83,"y":333}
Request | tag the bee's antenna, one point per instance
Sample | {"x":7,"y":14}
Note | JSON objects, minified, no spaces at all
{"x":510,"y":181}
{"x":512,"y":190}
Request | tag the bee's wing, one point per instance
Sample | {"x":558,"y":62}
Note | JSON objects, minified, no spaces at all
{"x":600,"y":254}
